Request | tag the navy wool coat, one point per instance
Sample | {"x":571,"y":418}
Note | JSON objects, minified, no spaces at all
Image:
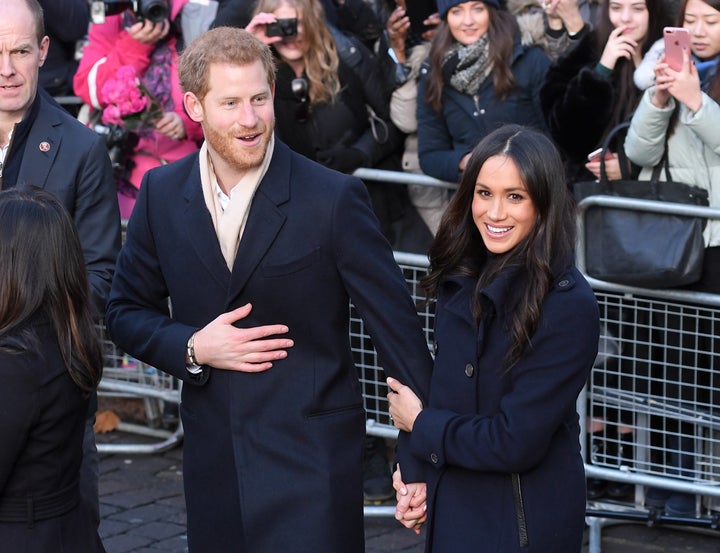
{"x":501,"y":447}
{"x":272,"y":460}
{"x":444,"y":138}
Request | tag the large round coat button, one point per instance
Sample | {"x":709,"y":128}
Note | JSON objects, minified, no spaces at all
{"x":469,"y":370}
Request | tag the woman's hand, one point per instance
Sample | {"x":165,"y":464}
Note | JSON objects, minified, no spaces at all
{"x":663,"y":79}
{"x":411,"y":509}
{"x":171,"y":125}
{"x":397,"y":27}
{"x":405,"y":406}
{"x":431,"y":25}
{"x":564,"y":13}
{"x":257,"y":27}
{"x":147,"y":32}
{"x":618,"y":46}
{"x":685,"y":87}
{"x":612,"y":167}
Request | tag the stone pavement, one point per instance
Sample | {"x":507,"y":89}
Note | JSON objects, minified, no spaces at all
{"x":142,"y":510}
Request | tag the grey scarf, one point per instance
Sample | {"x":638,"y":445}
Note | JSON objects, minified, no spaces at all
{"x":467,"y":67}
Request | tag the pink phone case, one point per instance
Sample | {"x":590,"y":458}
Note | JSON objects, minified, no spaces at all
{"x":677,"y":40}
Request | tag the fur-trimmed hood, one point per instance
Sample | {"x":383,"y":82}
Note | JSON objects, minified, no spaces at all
{"x":531,"y":21}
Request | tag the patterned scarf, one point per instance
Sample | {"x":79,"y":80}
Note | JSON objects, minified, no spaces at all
{"x":465,"y":68}
{"x":706,"y":71}
{"x":157,"y":76}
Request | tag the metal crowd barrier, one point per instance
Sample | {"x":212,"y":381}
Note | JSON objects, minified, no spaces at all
{"x":654,"y":385}
{"x":654,"y":393}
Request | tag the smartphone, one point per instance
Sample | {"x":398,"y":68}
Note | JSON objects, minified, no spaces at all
{"x":595,"y":155}
{"x":282,"y":27}
{"x":418,"y":11}
{"x":677,"y":41}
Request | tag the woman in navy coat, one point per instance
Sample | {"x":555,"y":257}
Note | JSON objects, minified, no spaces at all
{"x":478,"y":77}
{"x":50,"y":362}
{"x":516,"y":335}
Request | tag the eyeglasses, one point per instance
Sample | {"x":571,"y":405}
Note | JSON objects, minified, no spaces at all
{"x":299,"y":87}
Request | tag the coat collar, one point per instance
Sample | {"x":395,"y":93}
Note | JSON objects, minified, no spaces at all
{"x":460,"y":290}
{"x":265,"y":220}
{"x":42,"y":143}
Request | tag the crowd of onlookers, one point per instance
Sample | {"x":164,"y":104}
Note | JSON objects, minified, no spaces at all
{"x":414,"y":87}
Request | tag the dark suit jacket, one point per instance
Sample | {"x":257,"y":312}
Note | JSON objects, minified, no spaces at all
{"x":272,"y":459}
{"x":42,"y":421}
{"x":66,"y":158}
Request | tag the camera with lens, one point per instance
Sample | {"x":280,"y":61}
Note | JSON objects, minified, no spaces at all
{"x":155,"y":11}
{"x":282,"y":27}
{"x":120,"y":144}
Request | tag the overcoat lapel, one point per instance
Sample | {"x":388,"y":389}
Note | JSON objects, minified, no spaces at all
{"x":43,"y":144}
{"x":201,"y":232}
{"x":264,"y":221}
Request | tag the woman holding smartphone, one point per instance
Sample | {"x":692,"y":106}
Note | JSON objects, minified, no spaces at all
{"x":590,"y":89}
{"x":682,"y":107}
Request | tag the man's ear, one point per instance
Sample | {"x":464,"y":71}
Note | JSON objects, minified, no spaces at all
{"x":193,"y":107}
{"x":44,"y":46}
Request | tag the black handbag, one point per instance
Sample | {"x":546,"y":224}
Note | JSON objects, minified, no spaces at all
{"x":642,"y":248}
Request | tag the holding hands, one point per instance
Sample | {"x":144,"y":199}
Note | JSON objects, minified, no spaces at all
{"x":411,"y":509}
{"x":683,"y":85}
{"x":405,"y":406}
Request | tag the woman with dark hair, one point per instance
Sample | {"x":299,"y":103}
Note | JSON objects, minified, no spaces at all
{"x":50,"y":362}
{"x":478,"y":76}
{"x":683,"y":108}
{"x":501,"y":429}
{"x":590,"y":89}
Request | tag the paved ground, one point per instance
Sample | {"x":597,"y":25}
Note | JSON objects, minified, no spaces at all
{"x":143,"y":511}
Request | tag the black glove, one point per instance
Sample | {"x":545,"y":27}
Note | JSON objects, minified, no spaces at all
{"x":342,"y":159}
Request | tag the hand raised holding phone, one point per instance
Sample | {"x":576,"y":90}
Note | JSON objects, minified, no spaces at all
{"x":677,"y":42}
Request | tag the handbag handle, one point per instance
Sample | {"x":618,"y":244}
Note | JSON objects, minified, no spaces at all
{"x":623,"y":160}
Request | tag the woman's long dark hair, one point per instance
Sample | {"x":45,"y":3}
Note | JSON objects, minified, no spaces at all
{"x":501,"y":38}
{"x":627,"y":94}
{"x":713,"y":89}
{"x":548,"y":249}
{"x":42,"y":270}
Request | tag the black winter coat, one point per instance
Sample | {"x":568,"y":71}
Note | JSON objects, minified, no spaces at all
{"x":577,"y":103}
{"x":343,"y":123}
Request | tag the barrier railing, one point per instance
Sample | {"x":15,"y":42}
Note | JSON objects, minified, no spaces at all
{"x":653,"y":400}
{"x":654,"y":385}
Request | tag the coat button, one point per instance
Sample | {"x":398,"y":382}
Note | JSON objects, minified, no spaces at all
{"x":469,"y":370}
{"x":563,"y":283}
{"x":435,"y":347}
{"x":434,"y":458}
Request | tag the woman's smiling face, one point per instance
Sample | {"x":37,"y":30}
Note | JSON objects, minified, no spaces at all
{"x":502,"y":208}
{"x":468,"y":21}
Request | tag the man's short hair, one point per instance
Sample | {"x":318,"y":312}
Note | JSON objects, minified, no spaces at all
{"x":37,"y":14}
{"x":228,"y":45}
